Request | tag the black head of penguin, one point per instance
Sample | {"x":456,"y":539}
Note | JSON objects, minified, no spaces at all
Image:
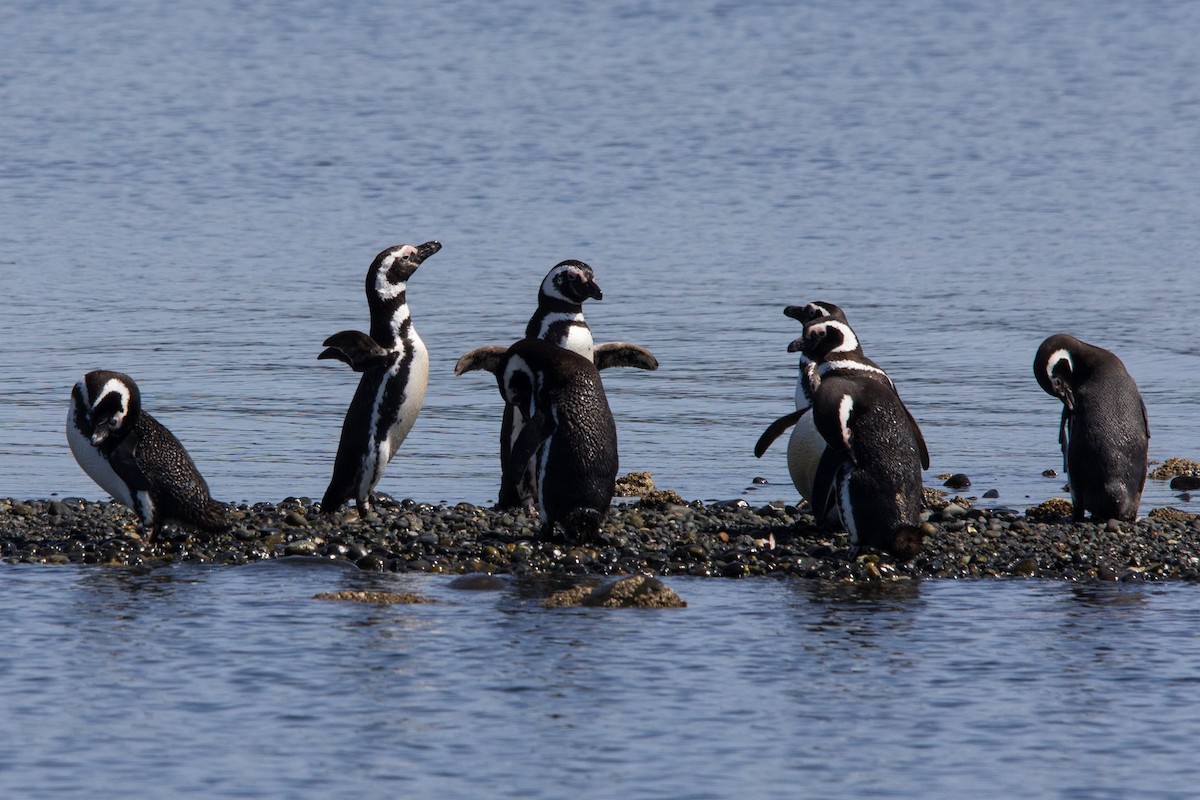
{"x":1062,"y":364}
{"x":568,"y":430}
{"x":813,"y":311}
{"x":388,"y":274}
{"x":827,"y":337}
{"x":111,"y":402}
{"x":570,"y":282}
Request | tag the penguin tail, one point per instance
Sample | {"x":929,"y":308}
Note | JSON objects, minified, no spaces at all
{"x":906,"y":543}
{"x":213,"y":517}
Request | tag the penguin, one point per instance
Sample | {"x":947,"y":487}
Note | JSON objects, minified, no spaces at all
{"x":395,"y":373}
{"x":559,"y":320}
{"x":877,"y":484}
{"x":567,"y":440}
{"x":1104,"y":431}
{"x":134,"y":458}
{"x":829,"y":346}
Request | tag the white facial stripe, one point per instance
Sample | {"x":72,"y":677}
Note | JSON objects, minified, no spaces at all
{"x":114,"y":386}
{"x":849,"y":340}
{"x":1062,"y":354}
{"x":845,"y":407}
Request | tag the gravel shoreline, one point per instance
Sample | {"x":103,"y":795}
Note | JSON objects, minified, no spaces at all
{"x":656,"y":535}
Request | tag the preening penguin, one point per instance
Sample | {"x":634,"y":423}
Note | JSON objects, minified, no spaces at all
{"x":558,"y":320}
{"x":878,"y":481}
{"x":134,"y":458}
{"x":568,"y":440}
{"x":395,"y":373}
{"x":1104,"y":431}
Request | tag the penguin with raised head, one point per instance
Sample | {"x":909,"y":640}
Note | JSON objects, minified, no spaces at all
{"x":395,"y":373}
{"x":134,"y":458}
{"x":558,"y":320}
{"x":567,"y":439}
{"x":877,"y":484}
{"x":1104,"y":431}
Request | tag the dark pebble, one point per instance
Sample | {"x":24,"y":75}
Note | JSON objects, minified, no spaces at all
{"x":957,"y":481}
{"x":991,"y":494}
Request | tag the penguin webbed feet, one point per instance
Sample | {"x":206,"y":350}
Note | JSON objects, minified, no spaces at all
{"x":356,"y":349}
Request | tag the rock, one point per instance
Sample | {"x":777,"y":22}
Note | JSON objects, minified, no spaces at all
{"x":1054,"y":507}
{"x":1185,"y":483}
{"x":991,"y":494}
{"x":385,"y":598}
{"x":1175,"y":466}
{"x":635,"y":591}
{"x":661,"y":499}
{"x":957,"y":482}
{"x":635,"y":484}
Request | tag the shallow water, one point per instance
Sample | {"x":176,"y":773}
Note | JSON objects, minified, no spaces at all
{"x":963,"y":181}
{"x":192,"y":195}
{"x":234,"y":682}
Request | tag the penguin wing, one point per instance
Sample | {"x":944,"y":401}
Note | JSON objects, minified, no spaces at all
{"x":776,"y":429}
{"x":124,"y":462}
{"x":1145,"y":417}
{"x":623,"y":354}
{"x":534,"y":433}
{"x":486,"y":358}
{"x":921,"y":447}
{"x":355,"y":348}
{"x":830,"y":474}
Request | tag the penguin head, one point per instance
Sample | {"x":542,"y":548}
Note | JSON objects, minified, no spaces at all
{"x":825,"y":337}
{"x":813,"y":311}
{"x":392,"y":268}
{"x":109,"y":402}
{"x":1054,"y":368}
{"x":570,"y":282}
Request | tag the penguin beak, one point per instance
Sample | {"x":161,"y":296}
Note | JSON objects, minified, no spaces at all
{"x":593,"y":291}
{"x":796,"y":346}
{"x":426,"y":250}
{"x":100,"y":433}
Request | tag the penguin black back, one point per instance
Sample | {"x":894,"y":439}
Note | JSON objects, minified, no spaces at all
{"x":133,"y":457}
{"x":1104,"y":431}
{"x":568,"y":437}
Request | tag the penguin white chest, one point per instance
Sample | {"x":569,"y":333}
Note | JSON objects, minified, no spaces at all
{"x":804,"y":451}
{"x":94,"y":463}
{"x":407,"y":379}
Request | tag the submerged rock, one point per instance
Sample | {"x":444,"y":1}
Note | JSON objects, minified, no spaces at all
{"x":383,"y":598}
{"x":635,"y":591}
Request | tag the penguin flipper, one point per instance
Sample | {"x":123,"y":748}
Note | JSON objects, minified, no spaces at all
{"x":355,"y":348}
{"x":486,"y":358}
{"x":533,"y":434}
{"x":623,"y":354}
{"x":826,"y":482}
{"x":123,"y":460}
{"x":776,"y":429}
{"x":921,"y":446}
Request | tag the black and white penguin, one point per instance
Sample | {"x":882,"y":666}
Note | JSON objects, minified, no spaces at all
{"x":558,"y":320}
{"x":395,"y":373}
{"x":134,"y":458}
{"x":877,"y":485}
{"x":568,"y":439}
{"x":1104,"y":431}
{"x":828,"y":346}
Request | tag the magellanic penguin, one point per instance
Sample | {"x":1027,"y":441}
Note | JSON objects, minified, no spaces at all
{"x":134,"y":458}
{"x":568,"y":439}
{"x":828,"y":347}
{"x":558,"y":320}
{"x":878,"y":482}
{"x":395,"y":373}
{"x":1104,"y":431}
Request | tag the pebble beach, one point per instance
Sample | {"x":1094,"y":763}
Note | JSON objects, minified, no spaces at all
{"x":657,"y":533}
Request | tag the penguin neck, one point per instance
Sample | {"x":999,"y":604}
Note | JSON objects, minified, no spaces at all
{"x":548,"y":304}
{"x":393,"y":325}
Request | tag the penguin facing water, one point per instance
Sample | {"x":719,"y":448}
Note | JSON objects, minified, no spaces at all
{"x":134,"y":458}
{"x":558,"y":320}
{"x":395,"y":373}
{"x":567,"y":440}
{"x":1104,"y":431}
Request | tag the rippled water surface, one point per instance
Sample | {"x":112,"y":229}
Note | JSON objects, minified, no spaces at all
{"x":235,"y":682}
{"x":192,"y":194}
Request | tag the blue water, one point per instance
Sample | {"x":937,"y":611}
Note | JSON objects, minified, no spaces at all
{"x":192,"y":194}
{"x":235,"y":682}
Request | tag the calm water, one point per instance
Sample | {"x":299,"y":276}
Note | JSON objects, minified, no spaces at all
{"x":235,"y":682}
{"x":193,"y":195}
